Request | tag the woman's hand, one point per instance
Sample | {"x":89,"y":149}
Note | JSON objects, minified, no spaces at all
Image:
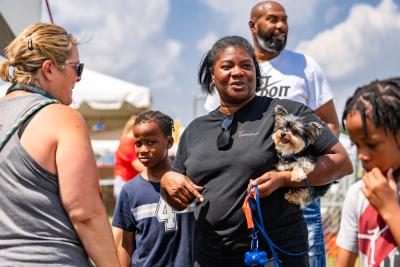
{"x":270,"y":181}
{"x":178,"y":190}
{"x":381,"y":191}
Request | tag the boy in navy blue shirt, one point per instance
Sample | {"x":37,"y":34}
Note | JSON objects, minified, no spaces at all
{"x":147,"y":231}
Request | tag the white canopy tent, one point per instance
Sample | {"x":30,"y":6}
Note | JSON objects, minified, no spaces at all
{"x":109,"y":102}
{"x":103,"y":92}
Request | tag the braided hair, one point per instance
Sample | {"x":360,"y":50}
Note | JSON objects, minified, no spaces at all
{"x":163,"y":121}
{"x":380,"y":102}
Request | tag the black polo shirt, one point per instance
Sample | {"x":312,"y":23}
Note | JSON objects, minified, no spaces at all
{"x":222,"y":236}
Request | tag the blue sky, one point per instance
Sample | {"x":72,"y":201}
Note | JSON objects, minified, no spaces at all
{"x":159,"y":43}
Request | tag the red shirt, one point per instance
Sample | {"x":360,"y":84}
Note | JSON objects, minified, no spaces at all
{"x":124,"y":157}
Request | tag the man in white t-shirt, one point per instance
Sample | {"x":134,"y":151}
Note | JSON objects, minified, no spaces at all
{"x":295,"y":76}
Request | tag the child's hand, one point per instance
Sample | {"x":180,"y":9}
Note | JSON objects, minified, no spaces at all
{"x":178,"y":190}
{"x":381,"y":191}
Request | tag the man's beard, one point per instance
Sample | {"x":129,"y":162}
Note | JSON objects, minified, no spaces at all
{"x":268,"y":43}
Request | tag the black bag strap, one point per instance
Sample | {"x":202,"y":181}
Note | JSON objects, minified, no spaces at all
{"x":24,"y":118}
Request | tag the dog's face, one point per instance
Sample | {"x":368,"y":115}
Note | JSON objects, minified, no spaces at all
{"x":291,"y":135}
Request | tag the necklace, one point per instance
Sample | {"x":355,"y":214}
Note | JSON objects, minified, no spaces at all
{"x":29,"y":88}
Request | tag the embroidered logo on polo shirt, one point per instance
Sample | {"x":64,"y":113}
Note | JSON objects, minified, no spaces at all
{"x":243,"y":133}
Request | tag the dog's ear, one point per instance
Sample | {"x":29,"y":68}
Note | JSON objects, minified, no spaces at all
{"x":280,"y":111}
{"x":313,"y":130}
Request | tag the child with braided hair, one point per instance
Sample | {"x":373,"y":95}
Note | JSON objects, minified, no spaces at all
{"x":147,"y":231}
{"x":371,"y":211}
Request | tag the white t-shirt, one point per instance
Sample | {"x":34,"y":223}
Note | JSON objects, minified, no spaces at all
{"x":290,"y":75}
{"x":363,"y":231}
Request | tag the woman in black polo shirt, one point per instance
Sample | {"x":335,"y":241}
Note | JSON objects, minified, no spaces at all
{"x":220,"y":152}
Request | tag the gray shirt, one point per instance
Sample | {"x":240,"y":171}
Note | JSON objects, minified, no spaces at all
{"x":34,"y":227}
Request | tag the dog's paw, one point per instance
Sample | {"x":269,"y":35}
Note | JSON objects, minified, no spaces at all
{"x":292,"y":198}
{"x":298,"y":196}
{"x":298,"y":175}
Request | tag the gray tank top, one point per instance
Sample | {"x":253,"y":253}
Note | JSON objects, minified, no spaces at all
{"x":34,"y":227}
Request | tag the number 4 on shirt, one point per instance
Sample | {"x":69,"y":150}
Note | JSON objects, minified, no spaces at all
{"x":166,"y":214}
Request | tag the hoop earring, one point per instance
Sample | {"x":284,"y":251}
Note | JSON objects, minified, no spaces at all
{"x":212,"y":85}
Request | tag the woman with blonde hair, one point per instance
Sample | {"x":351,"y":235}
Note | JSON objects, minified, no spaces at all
{"x":51,"y":211}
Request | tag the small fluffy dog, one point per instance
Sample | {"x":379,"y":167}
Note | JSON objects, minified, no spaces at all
{"x":292,"y":137}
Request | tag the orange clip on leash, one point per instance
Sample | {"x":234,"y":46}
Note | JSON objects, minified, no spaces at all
{"x":247,"y":210}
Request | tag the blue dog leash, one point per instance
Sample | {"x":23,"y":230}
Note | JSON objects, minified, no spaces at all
{"x":252,"y":201}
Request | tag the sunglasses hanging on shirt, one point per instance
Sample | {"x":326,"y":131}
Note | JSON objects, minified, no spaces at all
{"x":224,"y":138}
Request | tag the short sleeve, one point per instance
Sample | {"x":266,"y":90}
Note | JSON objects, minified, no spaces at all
{"x":319,"y":89}
{"x":181,"y":154}
{"x":123,"y":217}
{"x":325,"y":140}
{"x":348,"y":232}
